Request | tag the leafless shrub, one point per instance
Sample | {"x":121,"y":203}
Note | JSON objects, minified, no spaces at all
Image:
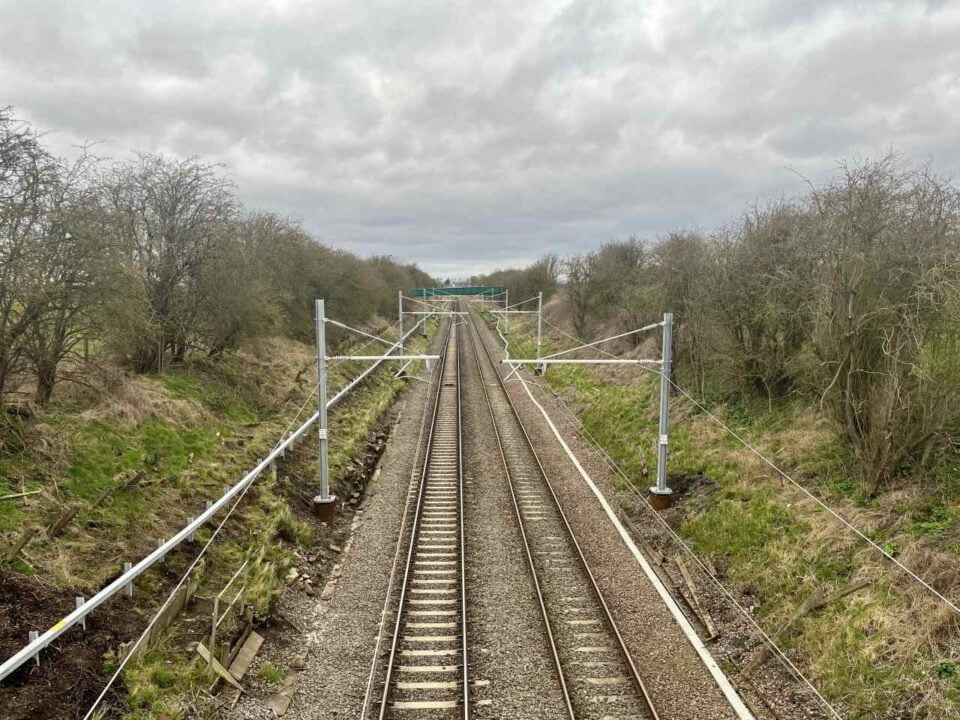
{"x":885,"y":327}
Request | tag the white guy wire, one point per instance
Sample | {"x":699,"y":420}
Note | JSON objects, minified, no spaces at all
{"x":603,"y":340}
{"x":604,"y":455}
{"x":202,"y":552}
{"x":359,"y":332}
{"x":312,"y":393}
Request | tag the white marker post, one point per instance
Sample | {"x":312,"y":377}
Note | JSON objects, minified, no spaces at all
{"x":402,"y":370}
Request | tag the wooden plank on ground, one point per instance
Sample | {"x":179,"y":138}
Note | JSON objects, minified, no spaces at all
{"x":217,"y":667}
{"x":280,"y":701}
{"x":241,"y":663}
{"x":14,"y":548}
{"x":19,"y":495}
{"x":691,"y":588}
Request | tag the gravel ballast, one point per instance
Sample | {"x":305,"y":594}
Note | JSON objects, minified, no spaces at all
{"x":510,"y":645}
{"x":678,"y":681}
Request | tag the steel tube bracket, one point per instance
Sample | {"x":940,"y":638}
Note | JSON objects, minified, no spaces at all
{"x":33,"y":636}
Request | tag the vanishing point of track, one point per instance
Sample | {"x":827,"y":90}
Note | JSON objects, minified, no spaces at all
{"x":597,"y":674}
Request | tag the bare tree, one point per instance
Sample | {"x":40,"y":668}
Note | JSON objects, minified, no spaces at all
{"x":683,"y":264}
{"x":886,"y":329}
{"x":172,"y":216}
{"x":28,"y":176}
{"x":760,"y":291}
{"x":75,"y":267}
{"x":577,"y":286}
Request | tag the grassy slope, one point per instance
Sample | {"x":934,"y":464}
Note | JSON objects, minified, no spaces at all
{"x":185,"y":436}
{"x":885,"y":652}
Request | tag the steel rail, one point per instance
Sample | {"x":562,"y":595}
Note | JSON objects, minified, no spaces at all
{"x":421,"y":456}
{"x":415,"y":528}
{"x":31,"y":649}
{"x":608,"y":616}
{"x":568,"y":702}
{"x":463,"y":541}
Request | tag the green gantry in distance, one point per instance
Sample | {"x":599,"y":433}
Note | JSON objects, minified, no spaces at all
{"x":458,"y":290}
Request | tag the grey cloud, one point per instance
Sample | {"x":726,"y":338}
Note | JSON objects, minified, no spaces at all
{"x":468,"y":135}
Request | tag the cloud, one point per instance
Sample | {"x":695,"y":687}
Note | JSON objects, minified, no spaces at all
{"x":469,"y":135}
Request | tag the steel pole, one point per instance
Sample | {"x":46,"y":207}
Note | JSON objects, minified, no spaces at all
{"x":506,"y":315}
{"x":539,"y":328}
{"x":660,"y":492}
{"x":324,"y":502}
{"x":400,"y":309}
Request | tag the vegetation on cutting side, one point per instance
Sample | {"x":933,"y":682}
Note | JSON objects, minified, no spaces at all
{"x":155,"y":343}
{"x":847,"y":299}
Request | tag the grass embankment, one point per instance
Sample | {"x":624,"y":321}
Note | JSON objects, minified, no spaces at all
{"x":889,"y":651}
{"x":159,"y":447}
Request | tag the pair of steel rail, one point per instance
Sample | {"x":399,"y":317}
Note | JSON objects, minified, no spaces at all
{"x":537,"y":509}
{"x":428,"y":637}
{"x":534,"y":501}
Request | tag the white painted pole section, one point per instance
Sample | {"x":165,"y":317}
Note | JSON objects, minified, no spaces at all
{"x":723,"y":682}
{"x":506,"y":304}
{"x":661,"y":487}
{"x":579,"y":361}
{"x":322,"y":405}
{"x":540,"y":368}
{"x":383,"y":357}
{"x":400,"y":311}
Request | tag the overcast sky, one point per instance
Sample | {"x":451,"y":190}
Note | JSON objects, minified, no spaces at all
{"x":467,"y":135}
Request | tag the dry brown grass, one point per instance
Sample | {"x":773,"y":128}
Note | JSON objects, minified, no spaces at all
{"x":131,"y":400}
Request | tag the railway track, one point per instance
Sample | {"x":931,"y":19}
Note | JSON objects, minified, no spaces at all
{"x":426,"y":670}
{"x":599,"y":678}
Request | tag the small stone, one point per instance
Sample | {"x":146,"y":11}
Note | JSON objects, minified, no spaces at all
{"x":335,"y":548}
{"x":328,"y":590}
{"x":292,"y":576}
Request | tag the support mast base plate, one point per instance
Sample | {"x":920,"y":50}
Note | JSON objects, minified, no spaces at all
{"x":325,"y":508}
{"x":660,"y":500}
